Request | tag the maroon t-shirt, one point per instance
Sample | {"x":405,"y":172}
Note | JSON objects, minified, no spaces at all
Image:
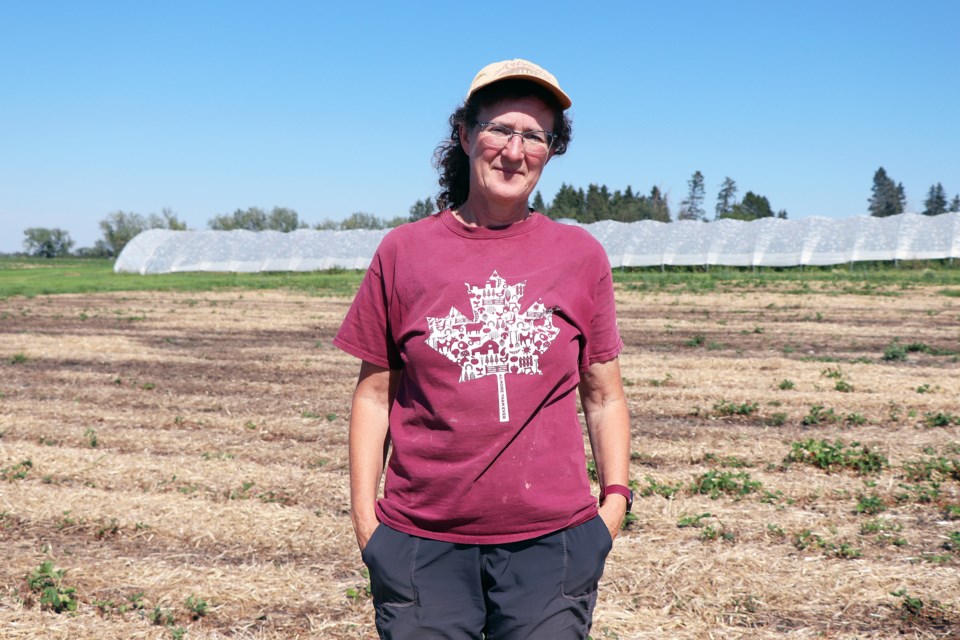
{"x":490,"y":329}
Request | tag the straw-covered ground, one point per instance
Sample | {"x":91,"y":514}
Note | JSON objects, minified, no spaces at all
{"x":174,"y":465}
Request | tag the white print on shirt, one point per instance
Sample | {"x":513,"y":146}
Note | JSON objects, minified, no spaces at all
{"x":499,"y":339}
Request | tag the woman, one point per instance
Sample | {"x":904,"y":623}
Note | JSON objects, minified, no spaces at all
{"x":476,"y":327}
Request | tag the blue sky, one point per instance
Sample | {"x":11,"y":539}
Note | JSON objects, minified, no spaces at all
{"x":331,"y":108}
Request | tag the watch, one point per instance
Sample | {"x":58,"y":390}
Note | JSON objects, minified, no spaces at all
{"x":620,"y":490}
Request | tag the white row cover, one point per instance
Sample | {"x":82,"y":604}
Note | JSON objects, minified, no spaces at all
{"x":768,"y":242}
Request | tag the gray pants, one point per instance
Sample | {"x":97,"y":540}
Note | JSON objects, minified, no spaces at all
{"x":544,"y":588}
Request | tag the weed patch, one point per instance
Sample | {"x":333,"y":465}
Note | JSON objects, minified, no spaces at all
{"x":837,"y":455}
{"x":716,"y":483}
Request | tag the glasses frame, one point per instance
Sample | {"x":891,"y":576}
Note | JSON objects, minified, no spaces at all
{"x":551,"y":136}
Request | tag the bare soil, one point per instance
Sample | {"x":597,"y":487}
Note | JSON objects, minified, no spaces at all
{"x":161,"y":446}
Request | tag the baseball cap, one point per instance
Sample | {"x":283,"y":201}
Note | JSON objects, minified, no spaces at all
{"x":522,"y":69}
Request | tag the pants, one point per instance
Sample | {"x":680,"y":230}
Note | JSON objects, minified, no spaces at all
{"x":544,"y":588}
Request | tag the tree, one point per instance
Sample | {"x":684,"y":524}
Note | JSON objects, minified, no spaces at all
{"x":256,"y":219}
{"x":597,"y":204}
{"x":659,"y":205}
{"x":568,"y":203}
{"x":936,"y":202}
{"x":361,"y":220}
{"x":120,"y":227}
{"x":692,"y":207}
{"x":726,"y":198}
{"x":47,"y":243}
{"x":284,"y":219}
{"x":538,"y":204}
{"x":955,"y":204}
{"x":754,"y":206}
{"x":421,"y":209}
{"x":888,"y":198}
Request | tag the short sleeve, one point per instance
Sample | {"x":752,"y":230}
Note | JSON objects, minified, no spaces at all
{"x":603,"y":341}
{"x":366,"y":330}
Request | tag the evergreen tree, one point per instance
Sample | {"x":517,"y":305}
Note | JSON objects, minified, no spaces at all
{"x":692,"y":207}
{"x":901,"y":198}
{"x":597,"y":204}
{"x":726,"y":198}
{"x":659,"y":207}
{"x":568,"y":203}
{"x":888,"y":198}
{"x":955,"y":204}
{"x":936,"y":202}
{"x":538,"y":204}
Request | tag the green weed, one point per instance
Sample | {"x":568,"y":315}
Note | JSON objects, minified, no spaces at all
{"x":870,"y":505}
{"x":691,"y":521}
{"x":714,"y":483}
{"x":940,"y":419}
{"x":786,"y":385}
{"x":196,"y":606}
{"x":18,"y":471}
{"x":655,"y":488}
{"x":161,"y":617}
{"x":91,"y":437}
{"x":895,"y":352}
{"x":820,"y":415}
{"x":837,"y":455}
{"x":726,"y":408}
{"x":48,"y":582}
{"x":696,"y":341}
{"x":18,"y":358}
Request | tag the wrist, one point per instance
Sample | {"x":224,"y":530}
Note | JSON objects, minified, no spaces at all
{"x":620,"y":490}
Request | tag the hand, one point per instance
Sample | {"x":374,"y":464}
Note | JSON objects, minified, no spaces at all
{"x":612,"y":512}
{"x":363,"y":530}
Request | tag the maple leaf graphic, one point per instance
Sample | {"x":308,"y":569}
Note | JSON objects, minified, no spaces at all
{"x":499,"y":339}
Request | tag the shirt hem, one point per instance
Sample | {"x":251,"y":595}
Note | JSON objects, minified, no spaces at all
{"x":458,"y":538}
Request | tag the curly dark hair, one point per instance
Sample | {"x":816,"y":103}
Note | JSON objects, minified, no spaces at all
{"x":452,"y":161}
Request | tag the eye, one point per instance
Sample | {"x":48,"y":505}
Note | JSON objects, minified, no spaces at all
{"x":537,"y":137}
{"x":499,"y":130}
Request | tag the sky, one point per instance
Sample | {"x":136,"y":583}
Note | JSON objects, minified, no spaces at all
{"x":204,"y":107}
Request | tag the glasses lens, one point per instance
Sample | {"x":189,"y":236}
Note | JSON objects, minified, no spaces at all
{"x":498,"y":135}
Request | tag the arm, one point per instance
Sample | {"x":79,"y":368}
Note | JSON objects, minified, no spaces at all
{"x":608,"y":425}
{"x":369,"y":439}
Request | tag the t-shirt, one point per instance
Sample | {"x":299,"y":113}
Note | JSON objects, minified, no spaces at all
{"x":490,"y":329}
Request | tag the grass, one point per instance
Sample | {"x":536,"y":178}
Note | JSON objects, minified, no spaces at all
{"x":34,"y":277}
{"x":37,"y":276}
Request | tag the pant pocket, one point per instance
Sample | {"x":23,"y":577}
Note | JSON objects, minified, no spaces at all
{"x":390,"y":557}
{"x":585,"y":549}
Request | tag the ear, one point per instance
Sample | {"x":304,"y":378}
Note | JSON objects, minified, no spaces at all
{"x":464,"y":138}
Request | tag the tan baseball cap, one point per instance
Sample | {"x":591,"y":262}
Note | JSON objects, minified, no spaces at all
{"x":523,"y":69}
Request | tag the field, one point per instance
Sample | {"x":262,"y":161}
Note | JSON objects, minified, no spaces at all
{"x":173,"y":463}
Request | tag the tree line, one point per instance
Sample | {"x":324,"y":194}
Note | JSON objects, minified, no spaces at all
{"x":594,"y":204}
{"x":888,"y":198}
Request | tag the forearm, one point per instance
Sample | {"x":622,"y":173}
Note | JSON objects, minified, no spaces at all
{"x":609,"y":431}
{"x":608,"y":426}
{"x":369,"y":426}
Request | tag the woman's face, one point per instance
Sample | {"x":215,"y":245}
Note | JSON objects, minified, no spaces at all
{"x":506,"y":175}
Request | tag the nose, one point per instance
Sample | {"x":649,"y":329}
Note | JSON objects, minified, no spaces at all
{"x":514,"y":148}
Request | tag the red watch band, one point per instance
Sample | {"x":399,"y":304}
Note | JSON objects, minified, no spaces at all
{"x":619,"y":489}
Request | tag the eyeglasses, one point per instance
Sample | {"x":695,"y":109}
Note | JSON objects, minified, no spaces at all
{"x":496,"y":135}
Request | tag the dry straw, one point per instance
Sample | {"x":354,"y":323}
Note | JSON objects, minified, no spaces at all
{"x":195,"y":445}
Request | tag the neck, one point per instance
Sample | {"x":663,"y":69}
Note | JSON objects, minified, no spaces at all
{"x":473,"y":214}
